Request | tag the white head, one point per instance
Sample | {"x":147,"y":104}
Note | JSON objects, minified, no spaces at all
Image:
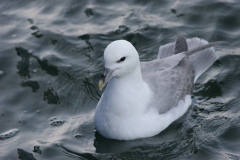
{"x":121,"y":58}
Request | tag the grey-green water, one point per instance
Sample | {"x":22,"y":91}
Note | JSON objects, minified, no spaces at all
{"x":51,"y":58}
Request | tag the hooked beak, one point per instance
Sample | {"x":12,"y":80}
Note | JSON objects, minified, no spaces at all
{"x":106,"y":76}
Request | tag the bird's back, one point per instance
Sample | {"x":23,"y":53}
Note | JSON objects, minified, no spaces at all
{"x":173,"y":76}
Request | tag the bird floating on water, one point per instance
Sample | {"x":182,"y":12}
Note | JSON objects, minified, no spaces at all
{"x":144,"y":98}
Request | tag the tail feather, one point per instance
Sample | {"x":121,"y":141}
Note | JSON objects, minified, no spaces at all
{"x":201,"y":60}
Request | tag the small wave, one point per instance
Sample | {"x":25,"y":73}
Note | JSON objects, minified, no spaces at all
{"x":57,"y":122}
{"x":8,"y":134}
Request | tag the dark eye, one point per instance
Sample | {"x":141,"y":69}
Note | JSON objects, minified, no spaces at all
{"x":122,"y":59}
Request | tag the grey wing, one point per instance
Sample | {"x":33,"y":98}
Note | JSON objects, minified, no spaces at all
{"x":171,"y":77}
{"x":166,"y":50}
{"x":180,"y":45}
{"x":161,"y":64}
{"x":170,"y":86}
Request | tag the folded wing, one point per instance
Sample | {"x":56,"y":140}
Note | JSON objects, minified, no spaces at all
{"x":172,"y":76}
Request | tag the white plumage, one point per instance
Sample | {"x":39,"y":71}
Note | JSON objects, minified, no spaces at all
{"x":142,"y":99}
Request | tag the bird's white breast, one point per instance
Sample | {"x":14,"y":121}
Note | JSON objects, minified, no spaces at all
{"x":123,"y":110}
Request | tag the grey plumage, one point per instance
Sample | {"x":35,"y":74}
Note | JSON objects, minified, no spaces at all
{"x":180,"y":45}
{"x":171,"y":77}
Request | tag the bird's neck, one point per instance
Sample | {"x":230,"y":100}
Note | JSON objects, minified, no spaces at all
{"x":134,"y":78}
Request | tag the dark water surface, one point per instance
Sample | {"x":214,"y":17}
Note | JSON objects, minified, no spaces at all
{"x":51,"y":61}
